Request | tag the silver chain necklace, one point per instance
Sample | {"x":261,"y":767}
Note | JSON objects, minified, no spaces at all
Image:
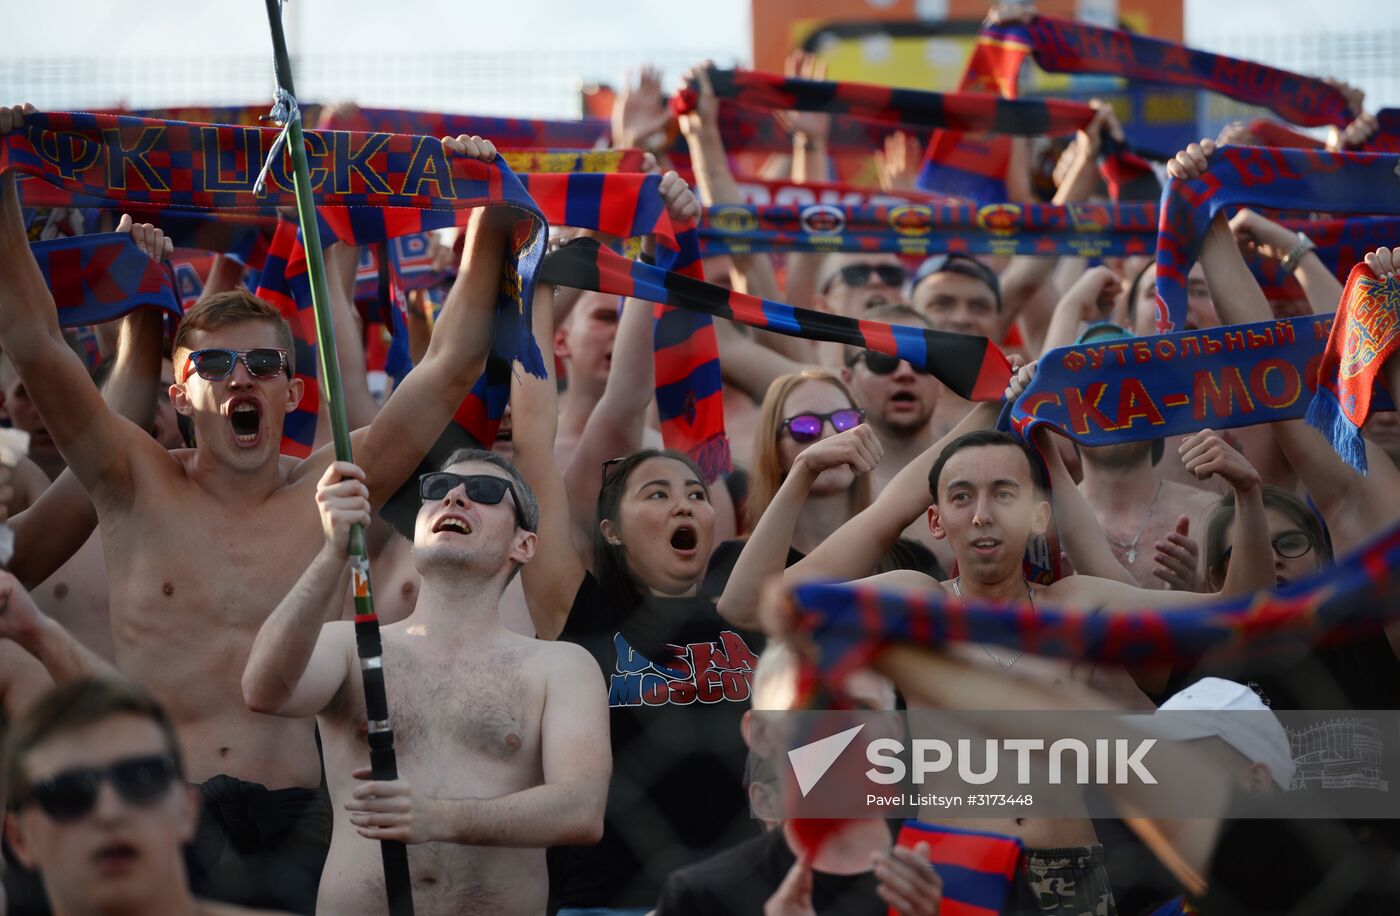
{"x":1131,"y":548}
{"x":1030,"y":596}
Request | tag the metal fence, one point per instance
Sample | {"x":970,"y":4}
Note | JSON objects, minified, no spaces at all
{"x":538,"y":84}
{"x":1367,"y":58}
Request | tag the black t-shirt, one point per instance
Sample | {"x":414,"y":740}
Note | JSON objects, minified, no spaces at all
{"x":678,"y":678}
{"x":739,"y":881}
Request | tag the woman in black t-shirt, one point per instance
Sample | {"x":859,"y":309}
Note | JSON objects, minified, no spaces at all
{"x":678,"y":681}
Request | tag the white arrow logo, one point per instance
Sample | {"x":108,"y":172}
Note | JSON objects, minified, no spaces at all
{"x":811,"y":761}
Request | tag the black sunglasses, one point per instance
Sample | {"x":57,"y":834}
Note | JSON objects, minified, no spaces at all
{"x":72,"y":794}
{"x":486,"y":489}
{"x":1290,"y":544}
{"x":859,"y":275}
{"x":807,"y":427}
{"x":216,"y":364}
{"x":882,"y":363}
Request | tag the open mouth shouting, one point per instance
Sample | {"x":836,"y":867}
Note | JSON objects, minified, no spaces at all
{"x":685,"y":540}
{"x":453,"y":524}
{"x":904,"y":400}
{"x":245,"y":418}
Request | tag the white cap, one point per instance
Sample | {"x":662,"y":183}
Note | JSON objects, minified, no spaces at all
{"x":1231,"y":712}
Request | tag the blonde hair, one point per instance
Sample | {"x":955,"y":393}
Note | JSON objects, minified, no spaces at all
{"x":768,"y":471}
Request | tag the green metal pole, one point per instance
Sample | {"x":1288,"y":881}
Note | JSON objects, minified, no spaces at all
{"x":397,"y":883}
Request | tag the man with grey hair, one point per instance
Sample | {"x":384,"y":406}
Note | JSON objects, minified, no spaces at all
{"x":502,"y":740}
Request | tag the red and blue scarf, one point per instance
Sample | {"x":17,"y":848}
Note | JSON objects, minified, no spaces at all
{"x":369,"y":188}
{"x":956,"y":111}
{"x":1142,"y":388}
{"x":972,"y":367}
{"x":975,"y":866}
{"x":1283,"y":179}
{"x":850,"y":624}
{"x":1364,"y":335}
{"x":1081,"y":229}
{"x":103,"y":276}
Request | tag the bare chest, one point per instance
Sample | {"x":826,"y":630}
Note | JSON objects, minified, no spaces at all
{"x":485,"y":706}
{"x":195,"y":557}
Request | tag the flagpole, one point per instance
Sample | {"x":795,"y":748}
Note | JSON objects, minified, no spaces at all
{"x":367,"y":643}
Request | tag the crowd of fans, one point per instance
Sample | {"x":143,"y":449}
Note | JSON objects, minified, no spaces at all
{"x":576,"y":633}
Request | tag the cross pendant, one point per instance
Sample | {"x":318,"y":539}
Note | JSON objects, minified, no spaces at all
{"x":1132,"y":556}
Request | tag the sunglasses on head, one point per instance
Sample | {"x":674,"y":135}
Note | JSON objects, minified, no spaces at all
{"x":859,"y":274}
{"x":807,"y":427}
{"x":1288,"y":544}
{"x":486,"y":489}
{"x":72,"y":794}
{"x":958,"y":264}
{"x":881,"y":363}
{"x":216,"y":363}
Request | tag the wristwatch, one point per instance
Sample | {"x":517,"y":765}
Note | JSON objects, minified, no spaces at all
{"x":1295,"y":255}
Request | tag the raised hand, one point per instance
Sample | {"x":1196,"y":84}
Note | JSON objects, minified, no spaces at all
{"x":1021,"y":376}
{"x":342,"y":499}
{"x":1177,"y":559}
{"x":470,"y":147}
{"x":1206,"y":454}
{"x":391,"y":810}
{"x":1096,"y":290}
{"x":814,"y":125}
{"x":1262,"y":234}
{"x":857,"y":447}
{"x":148,"y":238}
{"x":12,"y":118}
{"x":1384,"y":262}
{"x":897,"y":165}
{"x":1193,"y":161}
{"x":908,"y":881}
{"x":640,"y":110}
{"x":704,"y":117}
{"x":1354,"y":135}
{"x":681,"y":203}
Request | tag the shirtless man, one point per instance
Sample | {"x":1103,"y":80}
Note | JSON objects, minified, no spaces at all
{"x":502,"y":739}
{"x":988,"y":500}
{"x":1146,"y":518}
{"x":95,"y":802}
{"x":202,"y":543}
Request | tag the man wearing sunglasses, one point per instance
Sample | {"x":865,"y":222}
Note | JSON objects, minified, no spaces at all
{"x":95,"y":800}
{"x":502,"y":740}
{"x":202,"y":543}
{"x":849,"y":284}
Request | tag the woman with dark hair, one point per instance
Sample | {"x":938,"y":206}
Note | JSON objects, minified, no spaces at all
{"x":678,"y":675}
{"x":1300,"y":547}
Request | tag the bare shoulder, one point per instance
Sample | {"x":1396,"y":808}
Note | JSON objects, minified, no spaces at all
{"x":566,"y":658}
{"x":903,"y":580}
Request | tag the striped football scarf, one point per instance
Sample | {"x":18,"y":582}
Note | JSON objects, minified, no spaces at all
{"x":972,"y":367}
{"x":103,"y":276}
{"x":1249,"y":176}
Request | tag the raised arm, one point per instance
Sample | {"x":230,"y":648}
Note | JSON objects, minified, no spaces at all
{"x":98,"y":445}
{"x":22,"y":679}
{"x":1296,"y":252}
{"x":551,"y":578}
{"x":1091,"y":298}
{"x":60,"y":521}
{"x":615,"y":426}
{"x":566,"y":810}
{"x":1354,"y":506}
{"x":856,"y":548}
{"x":765,"y":553}
{"x":753,"y":272}
{"x":301,"y":655}
{"x":415,"y":415}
